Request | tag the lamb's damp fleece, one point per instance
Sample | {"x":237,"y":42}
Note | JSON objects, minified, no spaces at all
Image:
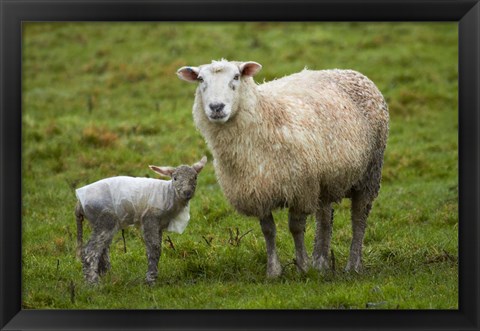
{"x":130,"y":198}
{"x":303,"y":142}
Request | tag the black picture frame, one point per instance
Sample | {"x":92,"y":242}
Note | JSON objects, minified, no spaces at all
{"x":14,"y":12}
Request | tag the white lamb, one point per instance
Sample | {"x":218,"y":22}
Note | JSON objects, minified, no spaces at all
{"x":303,"y":141}
{"x":152,"y":204}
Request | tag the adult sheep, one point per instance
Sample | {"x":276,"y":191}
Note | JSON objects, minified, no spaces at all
{"x":303,"y":142}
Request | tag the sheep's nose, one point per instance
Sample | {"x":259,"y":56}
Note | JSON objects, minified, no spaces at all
{"x":188,"y":194}
{"x":216,"y":107}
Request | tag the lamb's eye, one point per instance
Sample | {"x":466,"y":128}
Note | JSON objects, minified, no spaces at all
{"x":200,"y":79}
{"x":174,"y":178}
{"x":236,"y":77}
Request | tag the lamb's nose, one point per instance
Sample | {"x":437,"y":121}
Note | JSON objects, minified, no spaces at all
{"x":216,"y":107}
{"x":188,"y":194}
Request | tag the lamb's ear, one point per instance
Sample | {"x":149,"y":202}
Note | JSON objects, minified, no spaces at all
{"x":250,"y":68}
{"x":189,"y":74}
{"x":164,"y":171}
{"x":200,"y":164}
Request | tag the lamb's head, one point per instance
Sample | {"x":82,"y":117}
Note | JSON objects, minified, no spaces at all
{"x":220,"y":86}
{"x":184,"y":178}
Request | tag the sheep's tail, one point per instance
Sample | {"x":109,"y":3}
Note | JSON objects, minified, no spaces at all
{"x":79,"y":217}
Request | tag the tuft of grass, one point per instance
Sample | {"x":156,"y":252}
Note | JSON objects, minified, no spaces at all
{"x":102,"y":99}
{"x":99,"y":137}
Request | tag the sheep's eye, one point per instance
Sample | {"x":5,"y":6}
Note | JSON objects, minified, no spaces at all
{"x":200,"y":79}
{"x":236,"y":77}
{"x":174,"y":178}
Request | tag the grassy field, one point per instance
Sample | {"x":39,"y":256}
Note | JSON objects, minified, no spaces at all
{"x":102,"y":99}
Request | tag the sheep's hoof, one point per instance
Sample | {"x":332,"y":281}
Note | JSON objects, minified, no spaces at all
{"x":274,"y":270}
{"x":302,"y":265}
{"x":321,"y":264}
{"x":354,"y":267}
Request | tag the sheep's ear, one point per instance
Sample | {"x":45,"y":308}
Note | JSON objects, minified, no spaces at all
{"x":200,"y":164}
{"x":164,"y":171}
{"x":189,"y":74}
{"x":250,"y":68}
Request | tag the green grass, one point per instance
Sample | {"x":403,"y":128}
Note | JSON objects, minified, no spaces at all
{"x":102,"y":99}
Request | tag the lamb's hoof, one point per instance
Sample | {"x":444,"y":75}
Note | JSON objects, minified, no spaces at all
{"x":321,"y":264}
{"x":102,"y":270}
{"x":92,"y":280}
{"x":150,"y":279}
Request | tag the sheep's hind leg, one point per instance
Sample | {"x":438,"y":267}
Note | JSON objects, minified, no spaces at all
{"x":323,"y":236}
{"x":296,"y":224}
{"x":361,"y":205}
{"x":274,"y":269}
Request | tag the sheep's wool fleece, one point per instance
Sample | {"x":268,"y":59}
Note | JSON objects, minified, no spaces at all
{"x":130,"y":197}
{"x":294,"y":140}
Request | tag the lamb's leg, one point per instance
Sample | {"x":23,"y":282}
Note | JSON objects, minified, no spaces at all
{"x":361,"y":205}
{"x":104,"y":228}
{"x":296,"y":224}
{"x":104,"y":262}
{"x":79,"y":215}
{"x":98,"y":242}
{"x":274,"y":269}
{"x":91,"y":256}
{"x":323,"y":236}
{"x":153,"y":243}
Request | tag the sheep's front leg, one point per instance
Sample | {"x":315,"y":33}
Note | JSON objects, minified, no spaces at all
{"x":323,"y":236}
{"x":296,"y":224}
{"x":361,"y":205}
{"x":152,"y":235}
{"x":274,"y":269}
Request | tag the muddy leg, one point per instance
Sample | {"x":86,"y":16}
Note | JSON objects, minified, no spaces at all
{"x":274,"y":269}
{"x":153,"y":243}
{"x":296,"y":224}
{"x":93,"y":252}
{"x":323,"y":236}
{"x":104,"y":262}
{"x":79,"y":218}
{"x":104,"y":228}
{"x":361,"y":205}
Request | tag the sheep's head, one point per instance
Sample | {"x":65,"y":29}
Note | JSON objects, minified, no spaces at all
{"x":184,"y":178}
{"x":220,"y":85}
